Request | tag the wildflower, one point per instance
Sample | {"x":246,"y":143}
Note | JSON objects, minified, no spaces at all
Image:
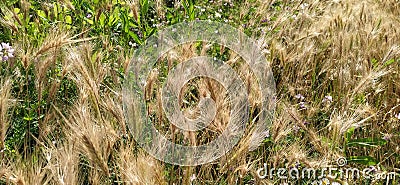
{"x":218,"y":15}
{"x":6,"y":51}
{"x":266,"y":134}
{"x":325,"y":181}
{"x":48,"y":156}
{"x":327,"y":99}
{"x":303,"y":6}
{"x":133,"y":44}
{"x":299,"y":96}
{"x":296,"y":128}
{"x":397,"y":116}
{"x":302,"y":105}
{"x":193,"y":177}
{"x":387,"y":137}
{"x":89,"y":15}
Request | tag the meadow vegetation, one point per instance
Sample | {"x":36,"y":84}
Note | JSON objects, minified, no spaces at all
{"x":336,"y":66}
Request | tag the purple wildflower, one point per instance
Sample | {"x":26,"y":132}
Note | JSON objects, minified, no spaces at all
{"x":296,"y":128}
{"x":299,"y":96}
{"x":6,"y":51}
{"x":387,"y":137}
{"x":302,"y":105}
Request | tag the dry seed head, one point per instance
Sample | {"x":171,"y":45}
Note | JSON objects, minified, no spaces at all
{"x":5,"y":103}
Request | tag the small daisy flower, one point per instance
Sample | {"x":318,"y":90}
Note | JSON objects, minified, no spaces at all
{"x":397,"y":116}
{"x":303,"y":6}
{"x":327,"y":99}
{"x":266,"y":134}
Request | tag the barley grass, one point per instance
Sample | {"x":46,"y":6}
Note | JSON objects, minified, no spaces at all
{"x":348,"y":50}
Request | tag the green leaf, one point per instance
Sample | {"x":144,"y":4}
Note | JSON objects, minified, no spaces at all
{"x":116,"y":12}
{"x":144,"y":7}
{"x":41,"y":14}
{"x":114,"y":17}
{"x":370,"y":142}
{"x":55,"y":8}
{"x":391,"y":61}
{"x":349,"y":133}
{"x":374,"y":63}
{"x":135,"y":37}
{"x":89,"y":21}
{"x":365,"y":160}
{"x":68,"y":19}
{"x":102,"y":19}
{"x":17,"y":10}
{"x":268,"y":140}
{"x":28,"y":118}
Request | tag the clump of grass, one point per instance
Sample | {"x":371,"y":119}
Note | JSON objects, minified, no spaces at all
{"x":5,"y":102}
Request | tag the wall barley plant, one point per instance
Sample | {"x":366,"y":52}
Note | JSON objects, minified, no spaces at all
{"x":64,"y":65}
